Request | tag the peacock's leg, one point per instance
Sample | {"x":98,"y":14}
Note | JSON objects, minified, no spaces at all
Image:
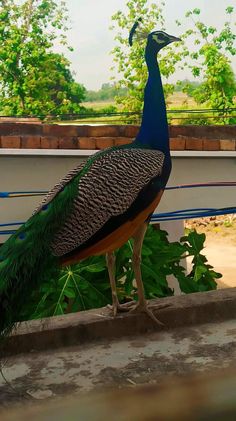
{"x":116,"y":306}
{"x":111,"y":260}
{"x":136,"y":260}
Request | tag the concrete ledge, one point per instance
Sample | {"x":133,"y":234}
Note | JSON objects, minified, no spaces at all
{"x":77,"y":328}
{"x":83,"y":153}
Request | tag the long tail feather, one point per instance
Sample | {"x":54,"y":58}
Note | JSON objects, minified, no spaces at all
{"x":26,"y":258}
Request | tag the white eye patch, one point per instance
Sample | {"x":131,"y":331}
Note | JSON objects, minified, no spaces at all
{"x":159,"y":41}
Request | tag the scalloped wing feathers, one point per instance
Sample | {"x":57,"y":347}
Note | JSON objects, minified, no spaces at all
{"x":107,"y":189}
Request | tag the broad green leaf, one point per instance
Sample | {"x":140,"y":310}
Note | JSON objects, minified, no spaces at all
{"x":96,"y":267}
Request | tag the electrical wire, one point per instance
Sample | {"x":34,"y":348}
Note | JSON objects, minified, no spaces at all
{"x":209,"y":184}
{"x":161,"y":217}
{"x":124,"y":113}
{"x":11,"y":224}
{"x":191,"y":214}
{"x":157,"y":217}
{"x":9,"y":195}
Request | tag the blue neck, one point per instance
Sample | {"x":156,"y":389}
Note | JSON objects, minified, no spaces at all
{"x":154,"y":128}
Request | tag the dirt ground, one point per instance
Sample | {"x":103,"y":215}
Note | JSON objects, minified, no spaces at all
{"x":220,"y":246}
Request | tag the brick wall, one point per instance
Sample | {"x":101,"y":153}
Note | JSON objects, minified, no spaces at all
{"x":54,"y":136}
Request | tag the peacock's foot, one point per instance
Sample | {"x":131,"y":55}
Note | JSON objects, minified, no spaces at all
{"x":120,"y":308}
{"x":137,"y":307}
{"x":143,"y":308}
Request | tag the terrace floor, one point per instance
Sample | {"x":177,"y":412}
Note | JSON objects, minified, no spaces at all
{"x":91,"y":352}
{"x":118,"y":363}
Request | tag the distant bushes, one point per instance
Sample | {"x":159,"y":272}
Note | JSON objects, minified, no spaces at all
{"x":107,"y":92}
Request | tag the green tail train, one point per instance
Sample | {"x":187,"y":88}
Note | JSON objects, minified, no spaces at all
{"x":26,"y":258}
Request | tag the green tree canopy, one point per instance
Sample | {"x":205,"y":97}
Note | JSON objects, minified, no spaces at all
{"x":130,"y":62}
{"x":209,"y":60}
{"x":208,"y":56}
{"x":33,"y":79}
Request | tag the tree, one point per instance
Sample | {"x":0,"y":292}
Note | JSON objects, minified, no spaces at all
{"x":107,"y":92}
{"x":33,"y":79}
{"x":210,"y":61}
{"x":130,"y":61}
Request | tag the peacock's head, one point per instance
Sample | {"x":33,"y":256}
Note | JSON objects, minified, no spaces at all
{"x":156,"y":40}
{"x":159,"y":39}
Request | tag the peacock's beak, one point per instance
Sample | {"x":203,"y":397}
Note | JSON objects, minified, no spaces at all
{"x":174,"y":39}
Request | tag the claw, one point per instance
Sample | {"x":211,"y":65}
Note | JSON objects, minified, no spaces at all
{"x":113,"y":308}
{"x":120,"y":308}
{"x":134,"y":307}
{"x":143,"y":308}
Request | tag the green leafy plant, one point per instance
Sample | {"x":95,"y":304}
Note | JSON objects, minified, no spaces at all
{"x":79,"y":287}
{"x":202,"y":276}
{"x":86,"y":285}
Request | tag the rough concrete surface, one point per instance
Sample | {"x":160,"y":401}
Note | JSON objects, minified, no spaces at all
{"x":197,"y":397}
{"x":86,"y":326}
{"x":46,"y":361}
{"x":118,"y":363}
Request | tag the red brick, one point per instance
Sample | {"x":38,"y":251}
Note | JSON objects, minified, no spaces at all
{"x":194,"y":144}
{"x":49,"y":142}
{"x":122,"y":129}
{"x":86,"y":143}
{"x":59,"y":130}
{"x":219,"y":132}
{"x":82,"y":131}
{"x":17,"y":129}
{"x":10,"y":142}
{"x":68,"y":143}
{"x":104,"y":142}
{"x":30,"y":142}
{"x":122,"y":141}
{"x":177,"y":144}
{"x":205,"y":132}
{"x":211,"y":145}
{"x":227,"y":145}
{"x":131,"y":131}
{"x":176,"y":131}
{"x":103,"y":131}
{"x":189,"y":131}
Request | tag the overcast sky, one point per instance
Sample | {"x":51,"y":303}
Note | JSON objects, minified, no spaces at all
{"x":92,"y":40}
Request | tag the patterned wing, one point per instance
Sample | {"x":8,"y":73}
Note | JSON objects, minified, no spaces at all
{"x":58,"y":187}
{"x":107,"y":189}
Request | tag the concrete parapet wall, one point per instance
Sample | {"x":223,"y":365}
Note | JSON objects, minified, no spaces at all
{"x":55,"y":136}
{"x":86,"y":326}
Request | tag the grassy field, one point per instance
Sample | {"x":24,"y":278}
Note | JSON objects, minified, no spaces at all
{"x":177,"y":100}
{"x":180,"y":100}
{"x":98,"y":105}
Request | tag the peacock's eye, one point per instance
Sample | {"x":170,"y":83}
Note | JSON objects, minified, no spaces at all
{"x":159,"y":38}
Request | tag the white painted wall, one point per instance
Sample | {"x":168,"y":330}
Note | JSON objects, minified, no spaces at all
{"x":41,"y":169}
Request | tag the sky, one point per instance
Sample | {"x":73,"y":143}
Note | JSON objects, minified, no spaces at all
{"x":92,"y":40}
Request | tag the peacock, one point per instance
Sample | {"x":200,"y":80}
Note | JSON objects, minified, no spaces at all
{"x":96,"y":207}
